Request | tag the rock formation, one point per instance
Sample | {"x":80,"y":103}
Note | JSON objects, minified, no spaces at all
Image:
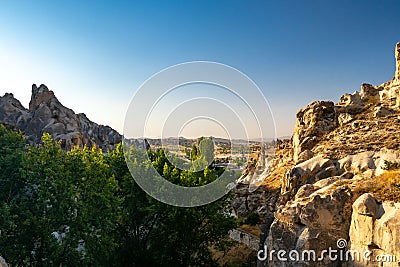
{"x":317,"y":217}
{"x":312,"y":122}
{"x":307,"y":172}
{"x":375,"y":229}
{"x":335,"y":149}
{"x":47,"y":114}
{"x":369,"y":110}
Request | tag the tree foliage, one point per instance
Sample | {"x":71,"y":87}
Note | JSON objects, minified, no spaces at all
{"x":84,"y":208}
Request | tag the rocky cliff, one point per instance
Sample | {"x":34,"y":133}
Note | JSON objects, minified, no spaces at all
{"x":375,"y":228}
{"x":47,"y":114}
{"x":332,"y":182}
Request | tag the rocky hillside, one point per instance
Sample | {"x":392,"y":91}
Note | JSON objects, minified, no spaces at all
{"x":47,"y":114}
{"x":334,"y":183}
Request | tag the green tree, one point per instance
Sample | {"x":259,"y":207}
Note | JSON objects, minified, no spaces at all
{"x":194,"y":153}
{"x":11,"y":184}
{"x":38,"y":209}
{"x":84,"y":208}
{"x":156,"y":234}
{"x":139,"y":217}
{"x":97,"y":204}
{"x":66,"y":212}
{"x":11,"y":148}
{"x":206,"y":147}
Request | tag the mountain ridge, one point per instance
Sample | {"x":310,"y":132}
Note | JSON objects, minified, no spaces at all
{"x":47,"y":114}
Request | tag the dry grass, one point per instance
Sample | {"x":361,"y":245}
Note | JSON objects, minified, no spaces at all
{"x":370,"y":135}
{"x":373,"y":101}
{"x":237,"y":255}
{"x":251,"y":229}
{"x":274,"y":179}
{"x":385,"y":187}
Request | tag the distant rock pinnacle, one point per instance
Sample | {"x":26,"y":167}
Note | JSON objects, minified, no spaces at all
{"x":40,"y":95}
{"x":47,"y":114}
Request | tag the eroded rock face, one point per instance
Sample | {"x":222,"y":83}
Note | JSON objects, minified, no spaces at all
{"x":382,"y":112}
{"x":246,"y":202}
{"x":312,"y":122}
{"x":368,"y":162}
{"x":12,"y":112}
{"x":369,"y":92}
{"x":316,"y":204}
{"x":317,"y":168}
{"x":307,"y":172}
{"x":375,"y":227}
{"x":313,"y":221}
{"x":47,"y":114}
{"x":305,"y":155}
{"x":335,"y":147}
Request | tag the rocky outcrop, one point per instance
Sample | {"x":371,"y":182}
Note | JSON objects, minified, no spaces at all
{"x":373,"y":108}
{"x":47,"y":114}
{"x":314,"y":220}
{"x":366,"y":163}
{"x":307,"y":172}
{"x":312,"y":122}
{"x":338,"y":151}
{"x":316,"y":197}
{"x":246,"y":202}
{"x":375,"y":230}
{"x":12,"y":112}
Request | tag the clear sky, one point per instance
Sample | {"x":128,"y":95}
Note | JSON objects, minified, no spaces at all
{"x":95,"y":54}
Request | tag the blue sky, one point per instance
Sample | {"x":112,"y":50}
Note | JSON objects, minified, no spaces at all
{"x":94,"y":55}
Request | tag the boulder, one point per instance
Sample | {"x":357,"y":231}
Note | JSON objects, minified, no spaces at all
{"x":351,"y":99}
{"x":305,"y":155}
{"x":307,"y":172}
{"x":358,"y":163}
{"x":374,"y":227}
{"x":311,"y":222}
